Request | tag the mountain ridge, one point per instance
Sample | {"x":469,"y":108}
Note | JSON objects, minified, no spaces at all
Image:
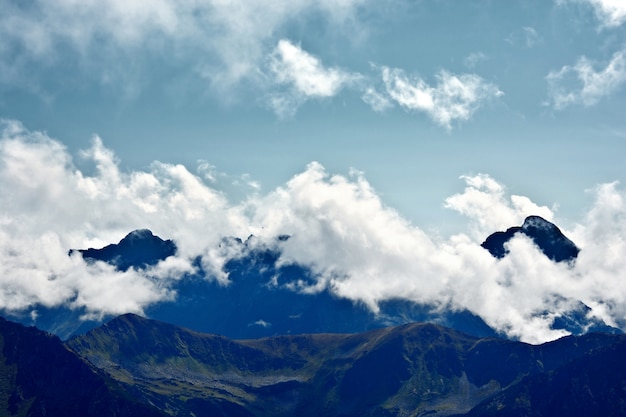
{"x":412,"y":369}
{"x":136,"y":366}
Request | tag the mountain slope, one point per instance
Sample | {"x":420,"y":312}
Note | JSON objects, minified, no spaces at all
{"x":41,"y":377}
{"x":593,"y":385}
{"x":413,"y":369}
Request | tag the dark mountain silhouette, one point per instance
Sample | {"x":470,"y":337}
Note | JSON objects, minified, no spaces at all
{"x":549,"y":238}
{"x":414,"y":369}
{"x":139,"y":249}
{"x":40,"y":377}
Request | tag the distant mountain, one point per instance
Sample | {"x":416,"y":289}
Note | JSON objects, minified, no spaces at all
{"x":556,"y":246}
{"x":139,"y":249}
{"x":549,"y":238}
{"x":261,"y":301}
{"x":40,"y":377}
{"x":409,"y":370}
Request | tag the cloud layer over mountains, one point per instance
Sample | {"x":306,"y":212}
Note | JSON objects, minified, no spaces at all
{"x":340,"y":228}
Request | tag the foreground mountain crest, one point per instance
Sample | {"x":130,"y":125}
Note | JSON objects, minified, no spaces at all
{"x":132,"y":366}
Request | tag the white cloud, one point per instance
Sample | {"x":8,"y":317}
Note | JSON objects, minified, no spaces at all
{"x":485,"y":201}
{"x":582,"y":84}
{"x":51,"y":207}
{"x":454,"y":98}
{"x":358,"y":247}
{"x":611,"y":13}
{"x":305,"y":77}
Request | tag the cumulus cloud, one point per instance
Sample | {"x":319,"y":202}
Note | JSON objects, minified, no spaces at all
{"x":304,"y":76}
{"x":611,"y":12}
{"x":454,"y":98}
{"x":365,"y":251}
{"x":583,"y":84}
{"x":50,"y":206}
{"x":355,"y":245}
{"x":485,"y":201}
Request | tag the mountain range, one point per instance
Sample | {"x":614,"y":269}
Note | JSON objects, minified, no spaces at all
{"x":258,"y":302}
{"x":264,"y":350}
{"x":136,"y":366}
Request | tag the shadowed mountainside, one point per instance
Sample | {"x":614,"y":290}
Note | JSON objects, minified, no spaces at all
{"x":40,"y":377}
{"x":414,"y":369}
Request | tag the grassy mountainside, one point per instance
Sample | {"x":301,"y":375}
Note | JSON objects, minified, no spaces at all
{"x":409,"y":370}
{"x":138,"y":367}
{"x":39,"y":376}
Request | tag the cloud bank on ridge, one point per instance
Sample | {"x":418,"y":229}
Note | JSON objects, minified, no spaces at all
{"x":358,"y":247}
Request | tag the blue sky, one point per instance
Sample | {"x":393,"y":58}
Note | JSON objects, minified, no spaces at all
{"x":412,"y":101}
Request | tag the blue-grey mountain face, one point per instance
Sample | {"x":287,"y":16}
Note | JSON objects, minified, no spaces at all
{"x":259,"y":302}
{"x":549,"y":238}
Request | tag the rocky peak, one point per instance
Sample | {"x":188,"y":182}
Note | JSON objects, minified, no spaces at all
{"x":546,"y":235}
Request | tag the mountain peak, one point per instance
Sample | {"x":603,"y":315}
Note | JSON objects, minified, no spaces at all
{"x":138,"y":249}
{"x":537,"y":222}
{"x":139,"y":234}
{"x":546,"y":235}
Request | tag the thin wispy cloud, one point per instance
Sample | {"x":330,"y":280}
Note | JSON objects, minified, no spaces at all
{"x":527,"y":37}
{"x":222,"y":41}
{"x":454,"y":98}
{"x":583,"y":84}
{"x":226,"y":44}
{"x":474,"y":59}
{"x":377,"y":101}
